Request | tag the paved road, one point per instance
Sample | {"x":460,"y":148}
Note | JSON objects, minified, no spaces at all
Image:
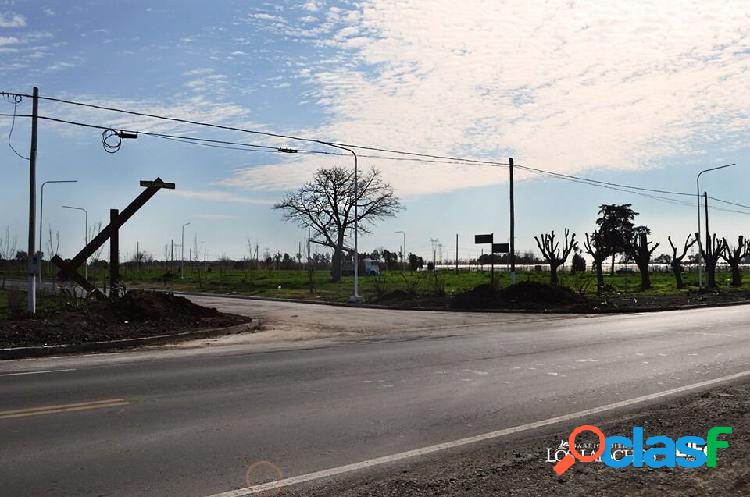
{"x":189,"y":421}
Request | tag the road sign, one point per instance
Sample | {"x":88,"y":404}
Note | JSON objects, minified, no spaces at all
{"x":483,"y":238}
{"x":501,"y":248}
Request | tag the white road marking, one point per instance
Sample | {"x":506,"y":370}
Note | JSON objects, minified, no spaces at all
{"x":327,"y":473}
{"x":26,"y":373}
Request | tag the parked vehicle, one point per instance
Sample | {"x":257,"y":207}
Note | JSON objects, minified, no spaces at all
{"x":367,"y":266}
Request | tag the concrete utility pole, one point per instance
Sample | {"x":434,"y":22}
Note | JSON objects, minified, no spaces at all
{"x":512,"y":255}
{"x":182,"y":252}
{"x":31,"y":255}
{"x":709,"y":245}
{"x":698,"y":196}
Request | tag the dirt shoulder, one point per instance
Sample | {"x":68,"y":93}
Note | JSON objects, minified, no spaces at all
{"x":519,"y":466}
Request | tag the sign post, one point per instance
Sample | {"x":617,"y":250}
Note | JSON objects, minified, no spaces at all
{"x":488,"y":238}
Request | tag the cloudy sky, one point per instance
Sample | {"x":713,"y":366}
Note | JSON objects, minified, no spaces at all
{"x":637,"y":93}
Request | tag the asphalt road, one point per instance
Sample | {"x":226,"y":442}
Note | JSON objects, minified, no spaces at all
{"x":191,"y":420}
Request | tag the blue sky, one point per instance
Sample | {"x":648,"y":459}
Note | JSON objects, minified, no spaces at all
{"x":644,"y":94}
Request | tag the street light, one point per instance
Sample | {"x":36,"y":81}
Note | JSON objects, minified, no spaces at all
{"x":41,"y":216}
{"x":85,"y":236}
{"x":403,"y":251}
{"x":698,"y":192}
{"x":182,"y":252}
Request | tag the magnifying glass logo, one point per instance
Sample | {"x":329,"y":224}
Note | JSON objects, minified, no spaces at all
{"x":566,"y":462}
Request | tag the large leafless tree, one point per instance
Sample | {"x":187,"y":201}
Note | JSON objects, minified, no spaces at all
{"x":326,"y":206}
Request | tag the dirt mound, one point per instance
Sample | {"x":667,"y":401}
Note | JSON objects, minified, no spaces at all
{"x":137,"y":314}
{"x":483,"y":296}
{"x":527,"y":294}
{"x":139,"y":305}
{"x":538,"y":293}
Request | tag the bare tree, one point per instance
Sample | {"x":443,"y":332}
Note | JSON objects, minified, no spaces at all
{"x":676,"y":261}
{"x":8,"y":246}
{"x":711,"y":253}
{"x":53,"y":247}
{"x":93,"y":231}
{"x":734,"y":257}
{"x":596,"y":247}
{"x":326,"y":206}
{"x":639,"y":250}
{"x":551,"y":251}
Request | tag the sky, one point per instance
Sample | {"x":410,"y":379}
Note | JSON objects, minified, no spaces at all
{"x":638,"y":93}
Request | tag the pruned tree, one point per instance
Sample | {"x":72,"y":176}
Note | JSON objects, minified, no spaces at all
{"x":711,"y":253}
{"x":326,"y":206}
{"x":595,"y":247}
{"x":551,"y":252}
{"x":734,"y":257}
{"x":676,"y":262}
{"x":639,"y":250}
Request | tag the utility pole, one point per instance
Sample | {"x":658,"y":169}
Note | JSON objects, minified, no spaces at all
{"x":171,"y":259}
{"x":137,"y":256}
{"x":709,"y":246}
{"x":182,"y":252}
{"x":512,"y":255}
{"x":31,"y":256}
{"x":456,"y":253}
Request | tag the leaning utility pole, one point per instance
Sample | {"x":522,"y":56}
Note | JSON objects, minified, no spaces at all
{"x":31,"y":256}
{"x":512,"y":255}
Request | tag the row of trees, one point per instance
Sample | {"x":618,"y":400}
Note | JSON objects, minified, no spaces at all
{"x":617,"y":233}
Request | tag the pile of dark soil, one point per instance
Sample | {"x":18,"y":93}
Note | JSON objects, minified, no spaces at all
{"x":137,"y":314}
{"x":524,"y":295}
{"x":140,"y":305}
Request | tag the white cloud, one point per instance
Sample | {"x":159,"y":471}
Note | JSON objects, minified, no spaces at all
{"x":557,"y":85}
{"x":9,"y":40}
{"x":311,"y":6}
{"x":8,"y":20}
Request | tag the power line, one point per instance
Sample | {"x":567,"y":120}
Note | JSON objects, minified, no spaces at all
{"x":256,"y":132}
{"x":451,"y":159}
{"x":622,"y":188}
{"x":417,"y":157}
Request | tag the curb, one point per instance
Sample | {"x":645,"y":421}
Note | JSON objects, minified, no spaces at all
{"x":598,"y":311}
{"x":125,"y":343}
